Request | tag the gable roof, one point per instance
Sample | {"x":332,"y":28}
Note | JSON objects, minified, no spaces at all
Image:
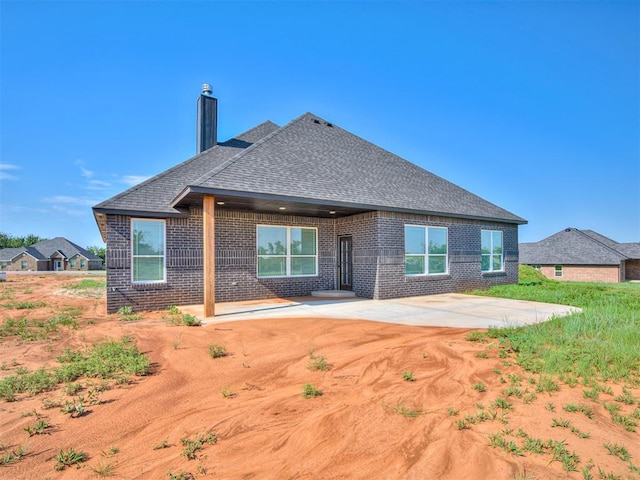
{"x":575,"y":247}
{"x":307,"y":162}
{"x":46,"y":248}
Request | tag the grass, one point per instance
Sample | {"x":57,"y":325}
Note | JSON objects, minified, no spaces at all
{"x":619,"y":451}
{"x":408,"y":376}
{"x":9,"y":457}
{"x":598,"y":343}
{"x":106,"y":360}
{"x":32,"y":331}
{"x":173,"y":317}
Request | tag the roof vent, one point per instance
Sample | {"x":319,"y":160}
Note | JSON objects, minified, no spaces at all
{"x":329,"y":124}
{"x":315,"y":120}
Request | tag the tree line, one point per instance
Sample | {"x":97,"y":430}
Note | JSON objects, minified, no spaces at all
{"x":12,"y":241}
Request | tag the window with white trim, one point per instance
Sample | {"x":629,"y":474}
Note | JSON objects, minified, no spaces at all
{"x":492,"y":251}
{"x":23,"y":265}
{"x":425,"y":250}
{"x":72,"y":263}
{"x":148,"y":251}
{"x":287,"y":251}
{"x":82,"y":263}
{"x":557,"y":271}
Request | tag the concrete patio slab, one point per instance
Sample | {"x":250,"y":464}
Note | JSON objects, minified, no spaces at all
{"x":445,"y":310}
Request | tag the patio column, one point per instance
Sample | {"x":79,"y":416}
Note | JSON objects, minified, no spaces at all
{"x":209,"y":254}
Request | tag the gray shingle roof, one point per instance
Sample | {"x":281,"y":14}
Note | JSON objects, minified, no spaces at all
{"x":156,"y":194}
{"x":308,"y":160}
{"x":574,"y":247}
{"x":45,"y":248}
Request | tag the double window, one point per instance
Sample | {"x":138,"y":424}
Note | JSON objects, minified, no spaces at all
{"x":425,"y":250}
{"x":492,"y":251}
{"x":557,"y":271}
{"x":148,"y":249}
{"x":287,"y":251}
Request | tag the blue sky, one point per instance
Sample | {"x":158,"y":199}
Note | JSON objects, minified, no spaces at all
{"x":534,"y":106}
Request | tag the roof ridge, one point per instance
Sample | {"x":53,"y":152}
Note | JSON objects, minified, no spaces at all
{"x":224,"y":165}
{"x":601,"y":243}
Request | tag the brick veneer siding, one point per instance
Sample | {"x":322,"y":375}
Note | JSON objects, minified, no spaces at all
{"x":632,"y":269}
{"x":378,"y":258}
{"x":584,"y":273}
{"x":33,"y":265}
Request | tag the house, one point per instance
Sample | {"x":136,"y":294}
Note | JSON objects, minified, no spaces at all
{"x":583,"y":256}
{"x":56,"y":254}
{"x":287,"y":211}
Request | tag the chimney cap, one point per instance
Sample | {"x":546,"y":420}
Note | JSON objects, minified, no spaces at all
{"x":206,"y":89}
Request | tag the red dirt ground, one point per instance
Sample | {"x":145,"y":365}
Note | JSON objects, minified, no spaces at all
{"x":266,"y":429}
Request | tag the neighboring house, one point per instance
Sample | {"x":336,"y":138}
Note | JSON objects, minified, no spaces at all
{"x":583,"y":256}
{"x":56,"y":254}
{"x":286,"y":211}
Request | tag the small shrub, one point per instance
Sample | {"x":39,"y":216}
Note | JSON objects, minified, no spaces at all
{"x":191,"y":320}
{"x":217,"y":351}
{"x":40,"y":428}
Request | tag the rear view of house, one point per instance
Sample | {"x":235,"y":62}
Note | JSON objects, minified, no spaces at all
{"x":583,"y":256}
{"x":287,"y":211}
{"x":57,"y":254}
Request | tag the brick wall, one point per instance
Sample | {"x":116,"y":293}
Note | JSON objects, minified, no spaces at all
{"x":632,"y":270}
{"x":583,"y":273}
{"x":33,"y":265}
{"x":378,"y":259}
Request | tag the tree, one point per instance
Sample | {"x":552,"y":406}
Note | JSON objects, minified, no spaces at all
{"x":99,"y":251}
{"x":9,"y":241}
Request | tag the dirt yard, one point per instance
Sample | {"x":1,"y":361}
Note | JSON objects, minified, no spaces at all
{"x":398,"y":402}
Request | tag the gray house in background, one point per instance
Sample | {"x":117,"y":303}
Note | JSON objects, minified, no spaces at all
{"x":57,"y":254}
{"x":583,"y":256}
{"x":287,"y":211}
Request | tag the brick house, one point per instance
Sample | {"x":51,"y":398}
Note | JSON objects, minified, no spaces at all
{"x":287,"y":211}
{"x":56,"y":254}
{"x":583,"y":256}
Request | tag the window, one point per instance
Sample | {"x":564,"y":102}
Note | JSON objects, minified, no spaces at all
{"x":557,"y":271}
{"x":425,"y":250}
{"x":491,"y":247}
{"x":148,"y":251}
{"x":83,"y":263}
{"x":72,"y":263}
{"x":287,"y":251}
{"x":3,"y":266}
{"x":536,"y":267}
{"x":23,"y":265}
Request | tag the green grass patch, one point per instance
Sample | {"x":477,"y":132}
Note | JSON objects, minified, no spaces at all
{"x":107,"y":360}
{"x":599,"y":343}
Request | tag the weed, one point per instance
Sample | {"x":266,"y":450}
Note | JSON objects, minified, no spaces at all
{"x":309,"y":391}
{"x":106,"y":469}
{"x":502,"y":403}
{"x":318,"y":363}
{"x":217,"y":351}
{"x":191,"y":320}
{"x":71,"y":388}
{"x":195,"y":445}
{"x":452,"y":411}
{"x":13,"y":456}
{"x":481,"y":355}
{"x":67,"y":458}
{"x":547,"y":384}
{"x":529,"y":397}
{"x":40,"y":428}
{"x":591,"y":394}
{"x":496,"y":370}
{"x":476,"y":336}
{"x":111,"y":452}
{"x":462,"y":425}
{"x":579,"y":433}
{"x":24,"y":305}
{"x":608,"y":476}
{"x":479,"y":387}
{"x":521,"y":433}
{"x":626,"y":397}
{"x":560,"y":423}
{"x":161,"y":445}
{"x":512,"y":392}
{"x":408,"y":376}
{"x":74,"y":409}
{"x":181,"y":475}
{"x":228,"y":393}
